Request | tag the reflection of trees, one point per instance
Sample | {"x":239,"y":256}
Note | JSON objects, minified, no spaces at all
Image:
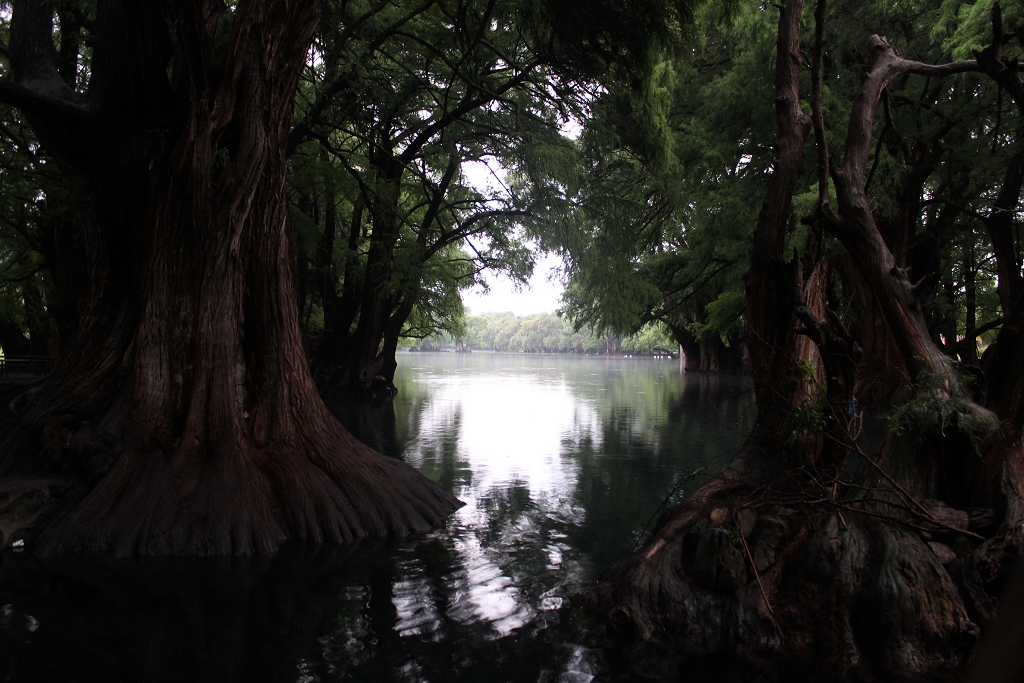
{"x":436,"y":450}
{"x":638,"y":427}
{"x":637,"y":393}
{"x":432,"y":610}
{"x":372,"y":422}
{"x":707,"y":419}
{"x":437,"y":610}
{"x":626,"y":472}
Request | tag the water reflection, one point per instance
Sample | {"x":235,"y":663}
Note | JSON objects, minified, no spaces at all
{"x":483,"y":592}
{"x":561,"y":461}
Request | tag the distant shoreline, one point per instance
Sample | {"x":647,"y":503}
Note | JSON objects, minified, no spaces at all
{"x":662,"y":356}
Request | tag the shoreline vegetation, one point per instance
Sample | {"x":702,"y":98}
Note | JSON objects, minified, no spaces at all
{"x":543,"y":333}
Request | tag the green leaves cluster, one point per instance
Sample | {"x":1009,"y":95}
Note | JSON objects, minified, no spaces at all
{"x":934,"y":411}
{"x":677,"y":163}
{"x":403,"y":105}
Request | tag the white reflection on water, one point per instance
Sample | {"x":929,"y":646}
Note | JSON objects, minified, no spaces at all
{"x":528,"y":443}
{"x":484,"y":593}
{"x":511,"y":428}
{"x":414,"y":607}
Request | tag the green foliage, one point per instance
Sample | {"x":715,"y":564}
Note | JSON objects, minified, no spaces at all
{"x":936,"y":411}
{"x":33,"y":206}
{"x":966,"y":27}
{"x":396,"y":112}
{"x":542,"y":333}
{"x":676,"y":166}
{"x":662,"y":230}
{"x":808,"y":418}
{"x":651,"y":339}
{"x":725,"y":316}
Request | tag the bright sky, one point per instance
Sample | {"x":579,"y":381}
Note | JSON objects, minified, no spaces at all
{"x":544,"y":291}
{"x":542,"y":296}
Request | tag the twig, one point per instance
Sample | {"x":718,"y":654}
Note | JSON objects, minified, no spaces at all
{"x":891,"y":518}
{"x":927,"y":513}
{"x":835,"y":496}
{"x":757,"y":575}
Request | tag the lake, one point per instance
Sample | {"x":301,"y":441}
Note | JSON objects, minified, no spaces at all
{"x":563,"y":463}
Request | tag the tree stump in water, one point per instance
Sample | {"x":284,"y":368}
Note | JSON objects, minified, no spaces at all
{"x":822,"y":575}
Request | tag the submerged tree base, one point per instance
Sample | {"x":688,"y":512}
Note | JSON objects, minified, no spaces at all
{"x":254,"y":505}
{"x":806,"y":578}
{"x":239,"y":483}
{"x":160,"y":505}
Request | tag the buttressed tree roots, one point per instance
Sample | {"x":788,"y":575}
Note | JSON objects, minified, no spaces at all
{"x":863,"y":548}
{"x":184,"y":399}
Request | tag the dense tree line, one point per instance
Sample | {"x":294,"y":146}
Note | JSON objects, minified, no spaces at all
{"x":542,"y":333}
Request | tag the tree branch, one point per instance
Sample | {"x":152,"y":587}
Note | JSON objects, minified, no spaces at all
{"x":884,"y":66}
{"x":817,"y":113}
{"x":37,"y":103}
{"x":300,"y":131}
{"x":37,"y":88}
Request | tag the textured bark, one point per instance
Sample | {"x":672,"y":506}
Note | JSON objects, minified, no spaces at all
{"x":893,"y":295}
{"x":185,"y":397}
{"x":716,"y":357}
{"x":690,"y":347}
{"x":775,"y":286}
{"x":708,"y":354}
{"x":874,"y":564}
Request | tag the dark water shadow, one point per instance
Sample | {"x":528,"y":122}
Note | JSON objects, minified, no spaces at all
{"x":156,"y":620}
{"x":496,"y":597}
{"x":371,"y":420}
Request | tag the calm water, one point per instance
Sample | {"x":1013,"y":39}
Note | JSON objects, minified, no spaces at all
{"x":562,"y":463}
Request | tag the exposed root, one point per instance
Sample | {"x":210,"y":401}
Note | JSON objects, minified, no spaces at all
{"x":896,"y":588}
{"x":232,"y":489}
{"x":241,"y":503}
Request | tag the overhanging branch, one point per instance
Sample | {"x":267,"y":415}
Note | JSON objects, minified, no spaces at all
{"x":34,"y":102}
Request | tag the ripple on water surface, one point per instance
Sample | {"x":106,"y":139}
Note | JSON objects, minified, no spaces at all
{"x":561,"y":462}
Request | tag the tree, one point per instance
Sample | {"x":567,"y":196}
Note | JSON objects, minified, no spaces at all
{"x":819,"y":549}
{"x":436,"y":85}
{"x":406,"y":95}
{"x":184,"y":397}
{"x":661,"y":230}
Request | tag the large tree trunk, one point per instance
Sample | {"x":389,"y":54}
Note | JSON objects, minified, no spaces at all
{"x":775,"y":286}
{"x":689,"y":345}
{"x":185,"y":396}
{"x":867,"y":559}
{"x":349,"y":356}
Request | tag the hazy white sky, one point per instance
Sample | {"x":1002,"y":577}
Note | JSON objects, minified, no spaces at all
{"x":544,"y":291}
{"x":542,"y":296}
